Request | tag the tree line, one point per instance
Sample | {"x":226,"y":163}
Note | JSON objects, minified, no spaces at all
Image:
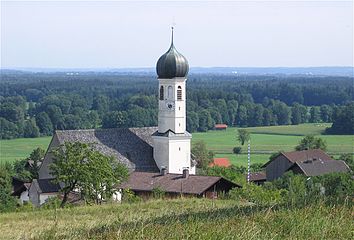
{"x":33,"y":105}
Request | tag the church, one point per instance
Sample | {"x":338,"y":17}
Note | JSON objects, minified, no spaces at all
{"x":157,"y":157}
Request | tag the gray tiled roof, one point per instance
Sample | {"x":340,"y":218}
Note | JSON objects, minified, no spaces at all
{"x":319,"y":167}
{"x":172,"y":183}
{"x":130,"y":146}
{"x":46,"y":185}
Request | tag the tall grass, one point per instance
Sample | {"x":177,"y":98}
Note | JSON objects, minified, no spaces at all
{"x":181,"y":219}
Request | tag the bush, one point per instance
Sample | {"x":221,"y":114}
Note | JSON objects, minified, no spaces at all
{"x":129,"y":196}
{"x":237,"y":150}
{"x":158,"y":193}
{"x":258,"y":195}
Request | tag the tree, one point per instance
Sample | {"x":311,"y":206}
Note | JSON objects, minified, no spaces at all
{"x":30,"y":129}
{"x":243,"y":136}
{"x":104,"y":173}
{"x":44,"y":123}
{"x":205,"y":121}
{"x":114,"y":119}
{"x":202,"y":154}
{"x":237,"y":150}
{"x":78,"y":166}
{"x":7,"y":202}
{"x":36,"y":157}
{"x":8,"y":129}
{"x":311,"y":142}
{"x":343,"y":121}
{"x":315,"y":116}
{"x":192,"y":121}
{"x":241,"y":117}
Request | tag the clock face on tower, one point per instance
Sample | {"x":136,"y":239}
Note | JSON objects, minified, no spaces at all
{"x":170,"y":106}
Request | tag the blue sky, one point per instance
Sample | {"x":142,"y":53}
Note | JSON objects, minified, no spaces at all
{"x":117,"y":34}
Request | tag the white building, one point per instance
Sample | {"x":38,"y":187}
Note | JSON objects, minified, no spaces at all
{"x":172,"y":143}
{"x":149,"y":149}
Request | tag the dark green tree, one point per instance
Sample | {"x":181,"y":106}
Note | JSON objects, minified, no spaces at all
{"x":203,"y":156}
{"x":7,"y":202}
{"x":205,"y":121}
{"x":311,"y":142}
{"x":44,"y":123}
{"x":30,"y":129}
{"x":114,"y":119}
{"x":343,"y":122}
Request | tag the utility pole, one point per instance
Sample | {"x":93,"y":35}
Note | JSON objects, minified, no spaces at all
{"x":249,"y":161}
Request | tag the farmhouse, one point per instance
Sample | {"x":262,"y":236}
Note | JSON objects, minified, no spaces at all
{"x":147,"y":152}
{"x":175,"y":185}
{"x":316,"y":167}
{"x":308,"y":162}
{"x":220,"y":162}
{"x":220,"y":127}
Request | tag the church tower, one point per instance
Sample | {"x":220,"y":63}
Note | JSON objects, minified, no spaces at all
{"x":172,"y":143}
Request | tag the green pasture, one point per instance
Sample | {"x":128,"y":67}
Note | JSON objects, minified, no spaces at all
{"x":16,"y":149}
{"x":267,"y":140}
{"x":264,"y":142}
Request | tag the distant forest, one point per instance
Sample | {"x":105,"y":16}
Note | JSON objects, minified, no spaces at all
{"x":36,"y":104}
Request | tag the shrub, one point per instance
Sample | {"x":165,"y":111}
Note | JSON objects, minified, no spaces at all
{"x":237,"y":150}
{"x":258,"y":195}
{"x":129,"y":196}
{"x":158,"y":193}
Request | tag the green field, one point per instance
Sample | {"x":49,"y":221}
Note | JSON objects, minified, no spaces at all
{"x":267,"y":140}
{"x":264,"y":142}
{"x":16,"y":149}
{"x":180,"y":219}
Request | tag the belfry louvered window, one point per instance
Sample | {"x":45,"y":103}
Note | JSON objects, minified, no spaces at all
{"x":161,"y":93}
{"x":179,"y":93}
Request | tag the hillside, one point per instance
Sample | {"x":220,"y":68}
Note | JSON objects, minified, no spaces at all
{"x":179,"y":219}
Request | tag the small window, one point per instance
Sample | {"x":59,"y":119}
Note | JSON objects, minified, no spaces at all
{"x":161,"y":93}
{"x":170,"y":92}
{"x":179,"y":93}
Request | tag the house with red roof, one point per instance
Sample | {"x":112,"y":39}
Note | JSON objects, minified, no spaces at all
{"x":220,"y":126}
{"x":220,"y":162}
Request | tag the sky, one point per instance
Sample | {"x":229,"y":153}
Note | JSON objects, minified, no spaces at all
{"x":121,"y":34}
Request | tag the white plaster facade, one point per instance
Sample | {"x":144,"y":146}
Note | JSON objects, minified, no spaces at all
{"x":24,"y":197}
{"x":172,"y":146}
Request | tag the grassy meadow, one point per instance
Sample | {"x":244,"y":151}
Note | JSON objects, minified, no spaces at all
{"x":179,"y":219}
{"x":20,"y":148}
{"x":267,"y":140}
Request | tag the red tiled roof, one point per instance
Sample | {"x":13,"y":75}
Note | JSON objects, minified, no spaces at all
{"x":220,"y":162}
{"x":220,"y":126}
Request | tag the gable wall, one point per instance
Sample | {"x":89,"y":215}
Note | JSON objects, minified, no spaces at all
{"x":34,"y":195}
{"x":277,"y":167}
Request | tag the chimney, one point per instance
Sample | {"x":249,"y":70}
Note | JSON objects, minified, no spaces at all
{"x":163,"y":171}
{"x":185,"y":173}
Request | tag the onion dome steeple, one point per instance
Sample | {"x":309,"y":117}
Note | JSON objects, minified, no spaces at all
{"x":172,"y":64}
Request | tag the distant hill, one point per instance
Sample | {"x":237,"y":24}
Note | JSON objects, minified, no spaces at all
{"x":325,"y":71}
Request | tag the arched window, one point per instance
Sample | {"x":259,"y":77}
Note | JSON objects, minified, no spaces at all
{"x":169,"y":92}
{"x":179,"y":93}
{"x":161,"y":93}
